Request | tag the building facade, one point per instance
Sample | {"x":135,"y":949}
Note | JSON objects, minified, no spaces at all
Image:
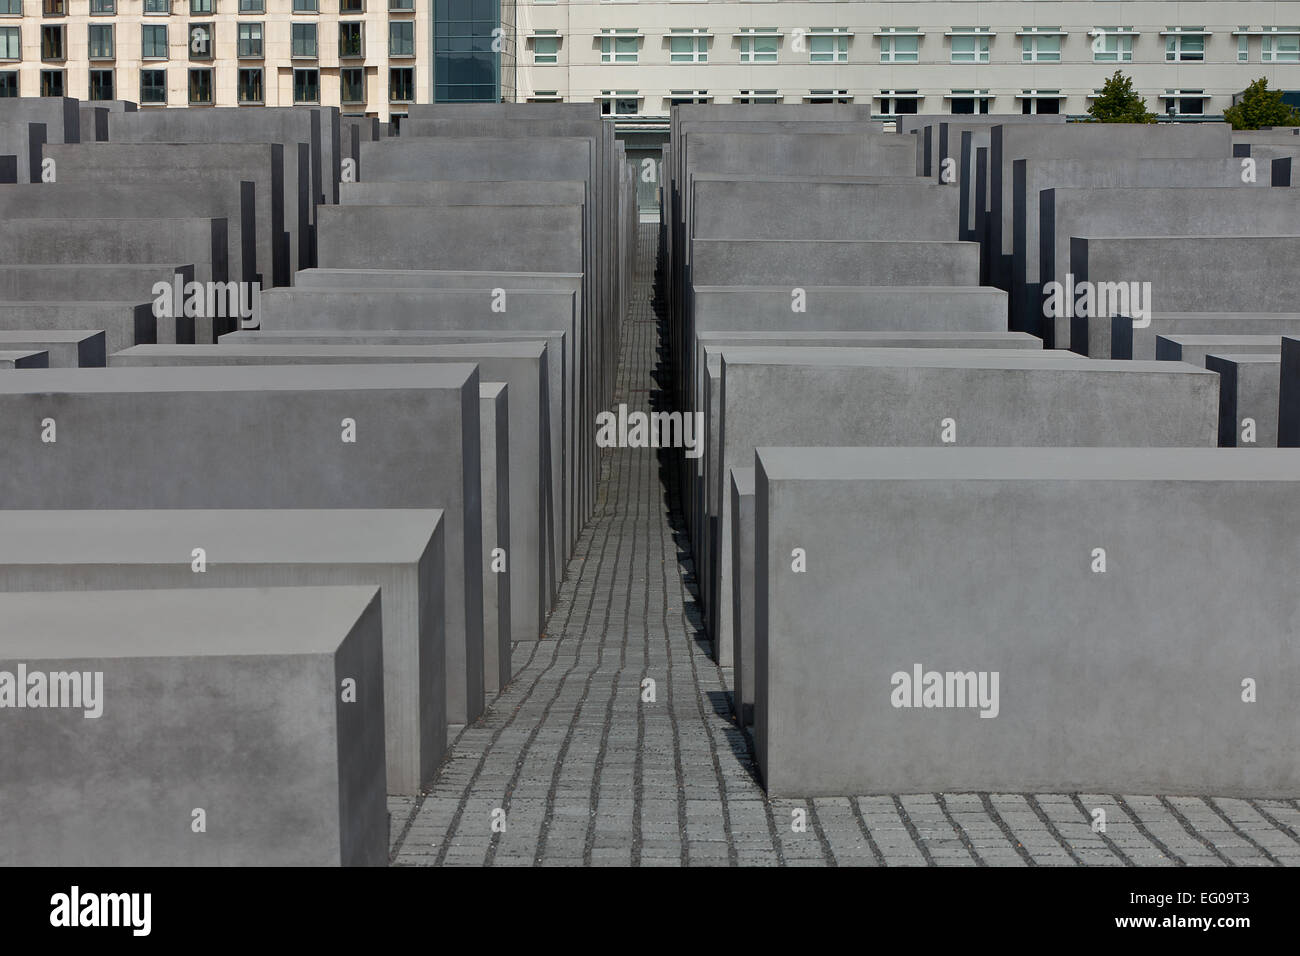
{"x":639,"y":57}
{"x":368,"y":57}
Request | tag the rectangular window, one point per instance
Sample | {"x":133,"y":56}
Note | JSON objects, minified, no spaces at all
{"x":619,"y":103}
{"x":250,"y":85}
{"x":759,"y":47}
{"x":900,"y":48}
{"x":200,"y":87}
{"x":51,"y":82}
{"x":101,"y":85}
{"x":401,"y":38}
{"x":350,"y":44}
{"x":153,"y":41}
{"x":352,"y":82}
{"x":824,"y":97}
{"x":11,"y":47}
{"x":200,"y":6}
{"x":250,"y":41}
{"x":102,"y":8}
{"x":153,"y":86}
{"x":688,"y":46}
{"x":828,"y":46}
{"x":101,"y":41}
{"x":757,"y":96}
{"x":352,"y":6}
{"x":8,"y":83}
{"x":1041,"y":106}
{"x":53,"y":8}
{"x":969,"y":47}
{"x":1110,"y":46}
{"x":304,"y":39}
{"x":546,"y":47}
{"x":306,"y":86}
{"x":1040,"y":48}
{"x":1185,"y":48}
{"x":163,"y":7}
{"x":1282,"y":48}
{"x":52,"y":44}
{"x":620,"y":46}
{"x":688,"y":97}
{"x":401,"y":6}
{"x":252,"y":6}
{"x":200,"y":37}
{"x":11,"y":8}
{"x":401,"y":84}
{"x":1243,"y":46}
{"x":899,"y":104}
{"x":306,"y":6}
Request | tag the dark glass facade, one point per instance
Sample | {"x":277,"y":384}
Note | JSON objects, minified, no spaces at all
{"x":473,"y":51}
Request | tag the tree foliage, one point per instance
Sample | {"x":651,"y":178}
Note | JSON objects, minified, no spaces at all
{"x":1259,"y":107}
{"x":1118,"y":102}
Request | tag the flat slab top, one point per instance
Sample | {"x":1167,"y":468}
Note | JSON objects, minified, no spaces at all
{"x":1031,"y":464}
{"x":210,"y":622}
{"x":12,"y":355}
{"x":850,"y":357}
{"x":62,"y":305}
{"x":819,"y":339}
{"x":43,"y":336}
{"x":1196,"y":339}
{"x":1248,"y":358}
{"x":359,"y":350}
{"x":234,"y":536}
{"x":407,"y":274}
{"x":857,"y":291}
{"x":743,"y":480}
{"x":239,"y":378}
{"x":1225,"y":316}
{"x":116,"y":267}
{"x":870,"y":243}
{"x":379,"y":337}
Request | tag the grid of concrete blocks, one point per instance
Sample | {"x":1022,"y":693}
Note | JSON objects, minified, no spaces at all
{"x":992,"y":498}
{"x":291,"y":457}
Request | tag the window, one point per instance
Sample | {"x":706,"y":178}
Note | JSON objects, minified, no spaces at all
{"x":101,"y":84}
{"x":899,"y":102}
{"x":250,"y":41}
{"x":401,"y":6}
{"x":101,"y":41}
{"x":619,"y":102}
{"x":200,"y":6}
{"x":619,"y":46}
{"x":757,"y":96}
{"x":1184,"y":102}
{"x":969,"y":45}
{"x":828,"y":45}
{"x":1243,"y":44}
{"x":688,"y":97}
{"x":401,"y":38}
{"x":544,"y":96}
{"x":970,"y":101}
{"x":350,"y":44}
{"x":306,"y":86}
{"x":101,"y":8}
{"x":153,"y":42}
{"x":153,"y":86}
{"x":1040,"y":45}
{"x":900,"y":45}
{"x":1112,"y":44}
{"x":1281,"y":48}
{"x":51,"y":82}
{"x":11,"y":47}
{"x":401,"y":84}
{"x":688,"y":46}
{"x":163,"y":7}
{"x":250,"y":85}
{"x":252,"y":6}
{"x":758,"y":45}
{"x":1184,"y":45}
{"x":11,"y":8}
{"x":546,"y":47}
{"x":352,"y":6}
{"x":824,"y":97}
{"x":352,"y":81}
{"x":53,"y":8}
{"x":52,"y":44}
{"x":200,"y":41}
{"x":8,"y":83}
{"x":304,"y":39}
{"x":1041,"y":102}
{"x":200,"y":86}
{"x":306,"y":6}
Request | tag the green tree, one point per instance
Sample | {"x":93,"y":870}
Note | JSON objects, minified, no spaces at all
{"x":1259,"y":107}
{"x":1118,"y":102}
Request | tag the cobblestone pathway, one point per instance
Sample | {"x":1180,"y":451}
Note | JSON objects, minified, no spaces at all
{"x":586,"y":773}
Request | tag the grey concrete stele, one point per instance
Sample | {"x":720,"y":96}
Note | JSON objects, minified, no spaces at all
{"x":236,"y":728}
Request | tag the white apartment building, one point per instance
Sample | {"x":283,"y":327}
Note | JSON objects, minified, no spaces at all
{"x":365,"y":56}
{"x":639,"y":57}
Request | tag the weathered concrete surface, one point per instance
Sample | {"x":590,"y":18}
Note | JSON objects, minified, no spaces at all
{"x":400,"y":551}
{"x":88,"y":283}
{"x":293,"y":777}
{"x":122,"y":324}
{"x":1182,"y":347}
{"x":494,"y":454}
{"x":20,"y":358}
{"x":65,"y":349}
{"x":272,"y":437}
{"x":202,"y":241}
{"x":1249,"y":387}
{"x":1140,"y":654}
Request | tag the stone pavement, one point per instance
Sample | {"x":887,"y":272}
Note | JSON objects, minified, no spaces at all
{"x":572,"y":765}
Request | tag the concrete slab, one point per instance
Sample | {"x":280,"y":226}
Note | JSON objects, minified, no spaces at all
{"x":66,"y":349}
{"x":1182,"y":347}
{"x":1249,"y":387}
{"x":122,"y":324}
{"x":20,"y":358}
{"x":494,"y":422}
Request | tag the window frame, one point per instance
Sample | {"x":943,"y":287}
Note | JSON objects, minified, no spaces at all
{"x":102,"y":29}
{"x":304,"y":28}
{"x":151,"y":29}
{"x":192,"y":74}
{"x":149,"y":71}
{"x":304,"y":71}
{"x":240,"y":40}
